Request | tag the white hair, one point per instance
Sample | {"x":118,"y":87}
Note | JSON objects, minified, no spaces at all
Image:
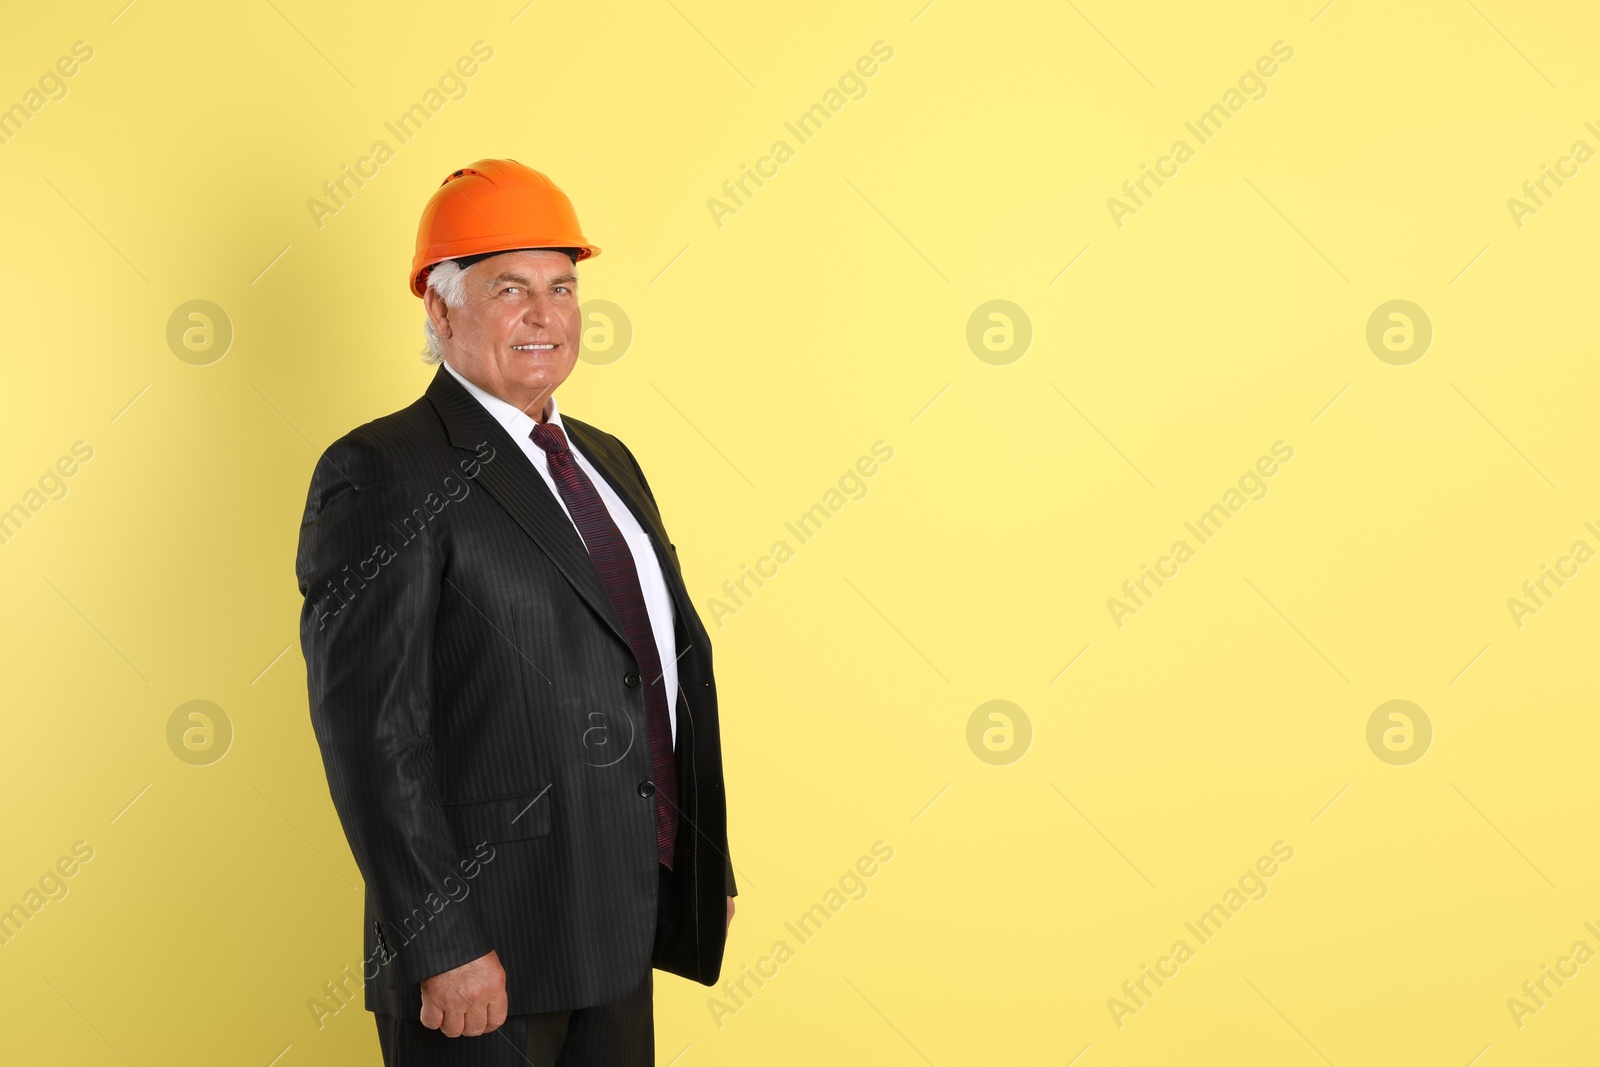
{"x":450,"y":282}
{"x":449,"y":279}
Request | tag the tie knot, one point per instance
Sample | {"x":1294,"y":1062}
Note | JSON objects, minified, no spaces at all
{"x":548,"y":436}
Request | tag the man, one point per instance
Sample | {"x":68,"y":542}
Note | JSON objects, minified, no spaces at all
{"x":512,"y":692}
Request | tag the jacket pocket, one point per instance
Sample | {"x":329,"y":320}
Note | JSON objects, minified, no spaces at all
{"x":513,"y":817}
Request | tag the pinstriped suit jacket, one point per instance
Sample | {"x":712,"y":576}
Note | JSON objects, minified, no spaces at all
{"x":482,"y":721}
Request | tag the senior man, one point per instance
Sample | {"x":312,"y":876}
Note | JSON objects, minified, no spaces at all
{"x":511,"y":690}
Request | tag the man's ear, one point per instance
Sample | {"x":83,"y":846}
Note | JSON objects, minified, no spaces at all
{"x":438,"y":312}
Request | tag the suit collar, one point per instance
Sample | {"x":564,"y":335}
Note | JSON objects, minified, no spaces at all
{"x":465,"y":420}
{"x":517,"y":487}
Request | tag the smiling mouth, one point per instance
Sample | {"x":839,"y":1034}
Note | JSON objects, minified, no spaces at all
{"x":542,"y":346}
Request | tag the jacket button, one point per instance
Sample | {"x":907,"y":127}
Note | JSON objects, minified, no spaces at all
{"x":647,"y":789}
{"x":631,"y":679}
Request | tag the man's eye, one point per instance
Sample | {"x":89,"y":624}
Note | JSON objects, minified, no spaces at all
{"x":509,"y":288}
{"x":563,"y":289}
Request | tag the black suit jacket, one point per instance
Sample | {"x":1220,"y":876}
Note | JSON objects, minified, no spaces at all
{"x":482,"y":720}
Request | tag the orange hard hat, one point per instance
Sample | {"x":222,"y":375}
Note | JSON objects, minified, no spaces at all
{"x":495,"y":205}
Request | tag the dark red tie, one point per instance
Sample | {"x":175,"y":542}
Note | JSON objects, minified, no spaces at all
{"x":613,"y":561}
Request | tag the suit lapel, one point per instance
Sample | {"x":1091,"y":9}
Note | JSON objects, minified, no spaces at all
{"x":619,"y":473}
{"x":517,"y":487}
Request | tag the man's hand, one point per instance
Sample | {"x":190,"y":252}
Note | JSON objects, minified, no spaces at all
{"x":729,"y":921}
{"x":469,"y":1000}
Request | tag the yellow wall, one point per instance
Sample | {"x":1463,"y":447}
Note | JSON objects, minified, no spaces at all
{"x":1164,"y":752}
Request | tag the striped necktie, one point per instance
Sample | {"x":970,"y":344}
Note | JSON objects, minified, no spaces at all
{"x":613,"y":561}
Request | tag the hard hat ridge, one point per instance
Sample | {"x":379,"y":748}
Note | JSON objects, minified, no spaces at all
{"x":464,"y":262}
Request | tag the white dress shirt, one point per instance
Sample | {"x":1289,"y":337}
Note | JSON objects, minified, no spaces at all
{"x":657,"y":598}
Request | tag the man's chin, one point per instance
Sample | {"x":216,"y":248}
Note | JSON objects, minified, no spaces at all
{"x":541,"y":383}
{"x":535,"y":393}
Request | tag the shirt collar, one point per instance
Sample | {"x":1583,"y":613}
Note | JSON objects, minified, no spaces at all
{"x":518,"y":423}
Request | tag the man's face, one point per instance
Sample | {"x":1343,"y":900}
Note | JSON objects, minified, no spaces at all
{"x":517,"y":304}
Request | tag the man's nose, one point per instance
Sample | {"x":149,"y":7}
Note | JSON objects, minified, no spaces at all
{"x":538,"y":311}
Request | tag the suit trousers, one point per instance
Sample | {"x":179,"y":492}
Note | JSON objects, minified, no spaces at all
{"x":618,"y":1034}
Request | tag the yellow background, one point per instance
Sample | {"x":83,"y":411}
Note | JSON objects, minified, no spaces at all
{"x":768,"y":354}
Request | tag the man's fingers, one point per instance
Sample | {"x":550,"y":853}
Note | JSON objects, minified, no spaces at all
{"x":470,"y":1007}
{"x":482,"y":1020}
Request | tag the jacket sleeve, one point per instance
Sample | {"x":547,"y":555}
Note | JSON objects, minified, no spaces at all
{"x":366,"y":629}
{"x":729,"y":887}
